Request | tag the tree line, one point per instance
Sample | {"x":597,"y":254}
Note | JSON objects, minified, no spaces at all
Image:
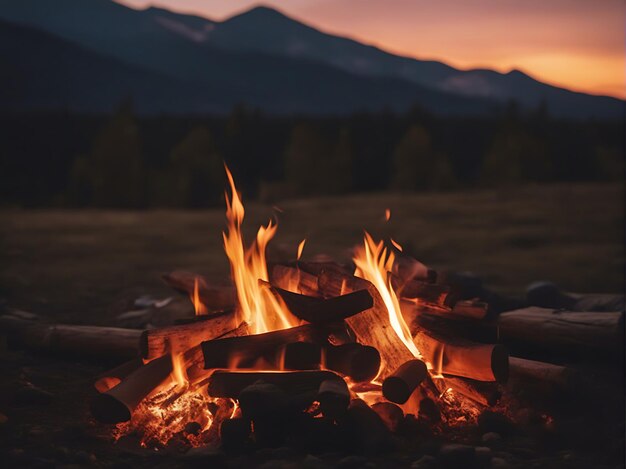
{"x":126,"y":161}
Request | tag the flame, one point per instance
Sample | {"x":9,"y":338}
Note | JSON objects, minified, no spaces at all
{"x":198,"y":306}
{"x":374,"y":262}
{"x":387,"y":214}
{"x":179,"y":373}
{"x":300,"y":248}
{"x":258,"y":306}
{"x":396,"y":245}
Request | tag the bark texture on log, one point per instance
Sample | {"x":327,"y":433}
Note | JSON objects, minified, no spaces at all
{"x":399,"y":386}
{"x":177,"y":339}
{"x":563,"y":330}
{"x":110,"y":343}
{"x":113,"y":377}
{"x":548,"y":373}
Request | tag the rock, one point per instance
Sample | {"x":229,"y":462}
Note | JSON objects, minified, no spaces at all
{"x":279,"y":464}
{"x":84,"y":457}
{"x":312,"y":462}
{"x":499,"y":463}
{"x":351,"y":462}
{"x":457,"y":456}
{"x":483,"y":455}
{"x":425,"y":462}
{"x":491,"y":438}
{"x":29,"y":394}
{"x":489,"y":421}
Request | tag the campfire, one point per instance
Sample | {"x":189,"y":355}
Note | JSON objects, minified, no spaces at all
{"x":303,"y":344}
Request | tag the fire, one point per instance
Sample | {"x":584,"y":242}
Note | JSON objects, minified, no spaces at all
{"x":300,"y":248}
{"x":198,"y":306}
{"x":387,"y":214}
{"x":374,"y":262}
{"x":258,"y":306}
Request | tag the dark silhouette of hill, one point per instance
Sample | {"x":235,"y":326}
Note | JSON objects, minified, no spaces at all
{"x":266,"y":59}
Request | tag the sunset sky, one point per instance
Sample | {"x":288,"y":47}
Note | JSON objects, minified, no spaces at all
{"x":577,"y":44}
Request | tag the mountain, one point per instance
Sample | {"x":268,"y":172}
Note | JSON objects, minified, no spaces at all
{"x":44,"y":72}
{"x":266,"y":59}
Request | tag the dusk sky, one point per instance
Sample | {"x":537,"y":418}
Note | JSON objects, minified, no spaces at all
{"x":577,"y":44}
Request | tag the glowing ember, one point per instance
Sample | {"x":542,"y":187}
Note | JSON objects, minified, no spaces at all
{"x":259,"y":308}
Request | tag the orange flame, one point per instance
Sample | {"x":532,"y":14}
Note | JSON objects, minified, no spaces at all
{"x":198,"y":306}
{"x":396,"y":245}
{"x":300,"y":248}
{"x":374,"y":262}
{"x":387,"y":214}
{"x":258,"y":306}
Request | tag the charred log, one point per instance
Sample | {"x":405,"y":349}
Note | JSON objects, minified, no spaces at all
{"x":399,"y":386}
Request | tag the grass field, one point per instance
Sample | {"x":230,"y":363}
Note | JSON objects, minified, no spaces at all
{"x":85,"y":266}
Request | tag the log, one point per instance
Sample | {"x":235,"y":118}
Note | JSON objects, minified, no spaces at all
{"x":245,"y":351}
{"x":458,"y":357}
{"x":382,"y":337}
{"x":294,"y":279}
{"x":215,"y":298}
{"x":366,"y":429}
{"x":399,"y":386}
{"x":110,"y":343}
{"x":424,"y":291}
{"x":117,"y":404}
{"x":325,"y":310}
{"x":359,"y":362}
{"x":231,"y":383}
{"x":472,"y":309}
{"x":391,"y":414}
{"x":485,"y":394}
{"x":235,"y":433}
{"x":113,"y":377}
{"x":523,"y":370}
{"x":563,"y":331}
{"x":179,"y":338}
{"x":334,"y":398}
{"x":302,"y":356}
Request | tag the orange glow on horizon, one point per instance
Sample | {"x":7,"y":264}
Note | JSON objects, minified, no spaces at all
{"x":575,"y":44}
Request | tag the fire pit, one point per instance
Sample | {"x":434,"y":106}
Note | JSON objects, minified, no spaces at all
{"x":323,"y":356}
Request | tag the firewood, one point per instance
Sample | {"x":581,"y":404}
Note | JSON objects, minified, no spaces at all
{"x":302,"y":356}
{"x":440,"y":322}
{"x":117,"y":404}
{"x":214,"y":298}
{"x":398,"y":386}
{"x":231,"y":383}
{"x":244,"y":351}
{"x":427,"y":292}
{"x":458,"y":357}
{"x":359,"y":362}
{"x":325,"y":310}
{"x":235,"y":433}
{"x":222,"y":410}
{"x":367,"y":431}
{"x":113,"y":377}
{"x":334,"y":398}
{"x":484,"y":393}
{"x":371,"y":327}
{"x":293,"y":279}
{"x":110,"y":343}
{"x":563,"y":331}
{"x":530,"y":370}
{"x":177,"y":339}
{"x":261,"y":399}
{"x":472,"y":309}
{"x":390,"y":413}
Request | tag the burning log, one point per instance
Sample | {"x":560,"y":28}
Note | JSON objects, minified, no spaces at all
{"x":334,"y":398}
{"x":415,"y":289}
{"x":458,"y":357}
{"x":547,"y":373}
{"x":112,"y":378}
{"x":398,"y":386}
{"x":392,"y":350}
{"x":214,"y":298}
{"x":359,"y":362}
{"x":470,"y":309}
{"x":325,"y":310}
{"x":446,"y":323}
{"x":179,"y":338}
{"x":117,"y":404}
{"x":563,"y":330}
{"x":391,"y":414}
{"x":244,"y":351}
{"x":293,"y":279}
{"x":231,"y":383}
{"x":486,"y":394}
{"x":111,"y":343}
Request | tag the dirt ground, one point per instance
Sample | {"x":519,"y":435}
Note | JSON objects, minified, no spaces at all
{"x":85,"y":266}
